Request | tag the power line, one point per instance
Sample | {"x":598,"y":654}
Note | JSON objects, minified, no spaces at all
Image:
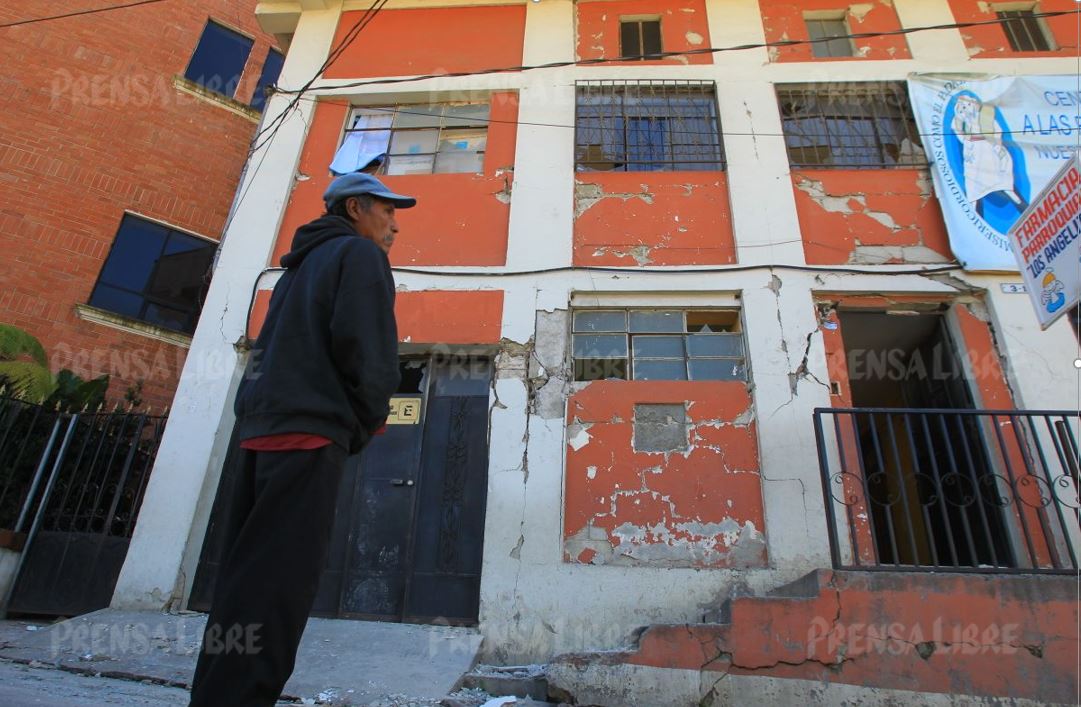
{"x":689,"y":52}
{"x":79,"y":13}
{"x":721,"y":133}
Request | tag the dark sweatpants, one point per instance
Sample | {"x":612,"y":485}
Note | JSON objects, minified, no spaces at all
{"x":277,"y":539}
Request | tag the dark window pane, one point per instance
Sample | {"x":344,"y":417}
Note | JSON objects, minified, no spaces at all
{"x":134,"y":254}
{"x":1023,"y":31}
{"x":594,"y":369}
{"x":657,"y":322}
{"x":717,"y":369}
{"x":600,"y":321}
{"x":155,"y":274}
{"x":660,"y":370}
{"x":630,"y":39}
{"x":825,"y":29}
{"x":118,"y":301}
{"x":715,"y":345}
{"x":218,"y":60}
{"x":658,"y":346}
{"x":168,"y":318}
{"x":651,"y":37}
{"x":600,"y":346}
{"x":272,"y":68}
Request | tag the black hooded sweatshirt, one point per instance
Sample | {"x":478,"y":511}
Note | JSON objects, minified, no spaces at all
{"x":326,"y":360}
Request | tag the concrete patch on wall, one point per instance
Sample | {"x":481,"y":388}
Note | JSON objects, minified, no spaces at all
{"x":849,"y":218}
{"x":658,"y":218}
{"x":694,"y":501}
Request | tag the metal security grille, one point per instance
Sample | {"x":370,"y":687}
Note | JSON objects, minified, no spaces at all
{"x":849,"y":126}
{"x":1023,"y":31}
{"x":647,"y":126}
{"x":830,"y":37}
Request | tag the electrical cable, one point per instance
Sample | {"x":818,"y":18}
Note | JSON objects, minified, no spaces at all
{"x":79,"y":13}
{"x":689,"y":52}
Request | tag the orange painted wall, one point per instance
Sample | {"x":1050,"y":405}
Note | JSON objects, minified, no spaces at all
{"x":450,"y":317}
{"x":783,"y":20}
{"x":658,"y":218}
{"x":843,"y":212}
{"x":431,"y":41}
{"x":684,"y":27}
{"x":701,"y":508}
{"x":429,"y":316}
{"x":460,"y":219}
{"x":1006,"y":636}
{"x":989,"y":41}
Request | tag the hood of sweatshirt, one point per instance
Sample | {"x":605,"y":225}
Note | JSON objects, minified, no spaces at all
{"x":312,"y":235}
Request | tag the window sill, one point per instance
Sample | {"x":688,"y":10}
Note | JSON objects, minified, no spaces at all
{"x":233,"y":106}
{"x":131,"y":326}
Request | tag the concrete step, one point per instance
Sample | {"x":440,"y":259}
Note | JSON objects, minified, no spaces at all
{"x":855,"y":637}
{"x":526,"y":681}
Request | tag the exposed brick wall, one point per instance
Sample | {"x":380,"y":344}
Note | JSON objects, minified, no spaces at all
{"x":91,"y":125}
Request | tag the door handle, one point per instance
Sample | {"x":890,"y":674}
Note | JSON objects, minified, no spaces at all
{"x":401,"y":482}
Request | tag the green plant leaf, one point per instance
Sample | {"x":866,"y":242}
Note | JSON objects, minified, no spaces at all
{"x":27,"y":379}
{"x":16,"y":343}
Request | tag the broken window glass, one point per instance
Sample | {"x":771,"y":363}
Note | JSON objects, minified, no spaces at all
{"x":441,"y":138}
{"x":644,"y":344}
{"x":849,"y":125}
{"x":635,"y":126}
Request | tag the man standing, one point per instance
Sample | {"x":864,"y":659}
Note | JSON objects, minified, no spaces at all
{"x":316,"y":389}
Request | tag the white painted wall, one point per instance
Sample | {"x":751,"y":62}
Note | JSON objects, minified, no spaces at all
{"x":533,"y":604}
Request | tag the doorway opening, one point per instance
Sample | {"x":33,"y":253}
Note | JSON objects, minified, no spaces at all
{"x":932,"y":493}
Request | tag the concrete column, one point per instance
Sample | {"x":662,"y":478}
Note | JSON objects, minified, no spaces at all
{"x":184,"y":479}
{"x":940,"y":48}
{"x":541,"y":217}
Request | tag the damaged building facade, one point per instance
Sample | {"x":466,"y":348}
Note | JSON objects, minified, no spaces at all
{"x":627,"y":288}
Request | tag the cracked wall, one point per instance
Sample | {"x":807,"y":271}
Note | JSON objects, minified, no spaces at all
{"x":783,"y":20}
{"x":434,"y":234}
{"x":696,"y":508}
{"x":652,"y":218}
{"x":684,"y":27}
{"x":861,"y":217}
{"x":989,"y":41}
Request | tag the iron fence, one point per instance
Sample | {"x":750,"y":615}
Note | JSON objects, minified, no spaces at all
{"x":70,"y":479}
{"x":951,"y":490}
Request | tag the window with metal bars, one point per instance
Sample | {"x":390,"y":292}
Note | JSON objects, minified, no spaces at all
{"x":1024,"y":31}
{"x":849,"y":125}
{"x":647,"y":126}
{"x":416,"y":139}
{"x":654,"y":344}
{"x":830,"y":37}
{"x":638,"y":38}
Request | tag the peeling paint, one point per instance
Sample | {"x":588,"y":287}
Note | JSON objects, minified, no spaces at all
{"x":586,"y":195}
{"x":859,"y":12}
{"x":578,"y":435}
{"x":694,"y":38}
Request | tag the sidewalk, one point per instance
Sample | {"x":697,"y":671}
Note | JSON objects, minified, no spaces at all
{"x":339,"y":662}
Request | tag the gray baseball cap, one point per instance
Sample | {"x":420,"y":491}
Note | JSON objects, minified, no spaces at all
{"x":358,"y":183}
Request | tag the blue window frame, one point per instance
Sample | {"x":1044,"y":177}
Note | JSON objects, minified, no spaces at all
{"x":155,"y":274}
{"x":272,"y":68}
{"x":219,"y":59}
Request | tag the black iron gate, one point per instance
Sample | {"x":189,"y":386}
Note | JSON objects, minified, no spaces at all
{"x":409,"y":526}
{"x":70,"y":492}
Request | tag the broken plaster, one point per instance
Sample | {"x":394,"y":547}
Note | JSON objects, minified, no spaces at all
{"x":586,"y":195}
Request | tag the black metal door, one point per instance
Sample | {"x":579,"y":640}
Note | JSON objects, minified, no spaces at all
{"x":409,"y":524}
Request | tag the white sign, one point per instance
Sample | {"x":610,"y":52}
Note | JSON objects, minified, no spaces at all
{"x":993,"y":142}
{"x":1046,"y":244}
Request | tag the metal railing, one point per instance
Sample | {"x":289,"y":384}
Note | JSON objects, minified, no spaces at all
{"x":951,"y":490}
{"x":66,"y":474}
